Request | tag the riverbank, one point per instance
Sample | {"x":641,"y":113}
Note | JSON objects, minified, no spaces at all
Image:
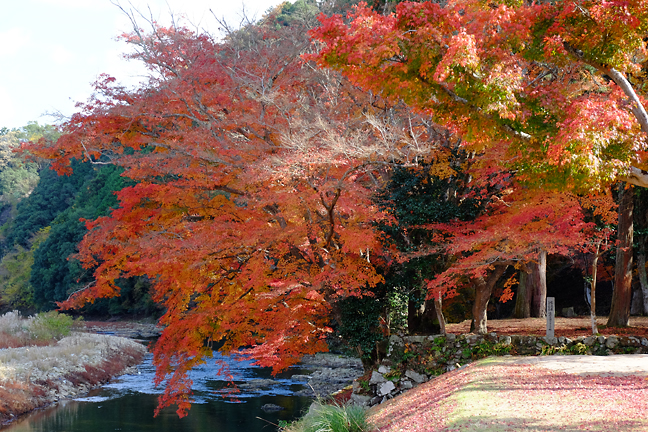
{"x":35,"y":377}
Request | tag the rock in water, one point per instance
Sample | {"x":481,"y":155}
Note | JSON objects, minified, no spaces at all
{"x":272,"y":408}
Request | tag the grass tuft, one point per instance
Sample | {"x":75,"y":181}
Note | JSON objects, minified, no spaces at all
{"x":41,"y":330}
{"x":331,"y":418}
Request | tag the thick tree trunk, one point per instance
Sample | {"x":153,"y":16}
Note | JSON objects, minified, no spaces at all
{"x":622,"y":294}
{"x":522,"y":298}
{"x":643,"y":280}
{"x":422,"y":317}
{"x":483,"y":290}
{"x":537,"y":284}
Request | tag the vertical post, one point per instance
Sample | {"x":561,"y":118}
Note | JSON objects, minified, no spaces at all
{"x":551,"y":316}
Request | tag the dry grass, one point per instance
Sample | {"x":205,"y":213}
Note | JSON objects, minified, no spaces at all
{"x":70,"y":353}
{"x":39,"y":330}
{"x":32,"y":377}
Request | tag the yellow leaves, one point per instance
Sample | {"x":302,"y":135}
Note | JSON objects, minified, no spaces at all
{"x":507,"y":293}
{"x":441,"y":166}
{"x":601,"y":205}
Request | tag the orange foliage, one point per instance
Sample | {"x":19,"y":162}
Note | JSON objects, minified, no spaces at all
{"x":537,"y":90}
{"x":526,"y":82}
{"x":251,"y":213}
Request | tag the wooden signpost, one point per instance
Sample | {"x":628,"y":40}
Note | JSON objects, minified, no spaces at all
{"x":551,"y":316}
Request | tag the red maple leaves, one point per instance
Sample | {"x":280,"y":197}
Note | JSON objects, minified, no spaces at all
{"x":254,"y":169}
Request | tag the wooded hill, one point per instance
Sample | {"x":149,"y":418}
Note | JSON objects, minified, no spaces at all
{"x":315,"y":175}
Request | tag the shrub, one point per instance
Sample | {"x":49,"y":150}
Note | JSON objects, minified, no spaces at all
{"x":331,"y":418}
{"x":51,"y":325}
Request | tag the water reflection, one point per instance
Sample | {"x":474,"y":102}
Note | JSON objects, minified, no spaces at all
{"x":128,"y":404}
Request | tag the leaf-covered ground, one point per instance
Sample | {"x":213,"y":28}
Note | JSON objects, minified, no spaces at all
{"x":497,"y":395}
{"x":570,"y":327}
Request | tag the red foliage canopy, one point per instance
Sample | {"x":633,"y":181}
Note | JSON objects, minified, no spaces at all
{"x":251,"y":212}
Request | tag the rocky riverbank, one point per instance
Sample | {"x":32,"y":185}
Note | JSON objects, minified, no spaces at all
{"x":34,"y":377}
{"x":331,"y":373}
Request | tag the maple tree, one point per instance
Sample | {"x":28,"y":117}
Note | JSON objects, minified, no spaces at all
{"x":546,"y":89}
{"x":520,"y":232}
{"x":436,"y":190}
{"x":251,"y":212}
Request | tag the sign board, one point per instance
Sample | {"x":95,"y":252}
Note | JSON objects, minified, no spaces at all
{"x":551,"y":316}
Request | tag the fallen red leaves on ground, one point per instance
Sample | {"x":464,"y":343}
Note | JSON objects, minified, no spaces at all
{"x":516,"y":397}
{"x":568,"y":327}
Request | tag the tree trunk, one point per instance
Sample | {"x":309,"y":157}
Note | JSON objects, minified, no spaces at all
{"x":643,"y":280}
{"x":593,"y":290}
{"x":483,"y":290}
{"x":522,"y":298}
{"x":636,"y":305}
{"x":422,"y":317}
{"x":538,"y":286}
{"x":622,"y":294}
{"x":438,"y":307}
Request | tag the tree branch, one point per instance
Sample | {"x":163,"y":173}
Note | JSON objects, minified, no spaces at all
{"x":636,"y":177}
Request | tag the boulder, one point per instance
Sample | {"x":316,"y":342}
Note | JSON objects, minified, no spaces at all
{"x":300,"y":377}
{"x":377,"y":378}
{"x":612,"y":342}
{"x":415,"y":376}
{"x":630,"y":341}
{"x":416,"y":339}
{"x":505,"y":340}
{"x":272,"y":408}
{"x":550,"y":340}
{"x":384,"y":369}
{"x":258,"y":383}
{"x":361,"y":400}
{"x":474,"y":339}
{"x":375,"y":400}
{"x":530,"y":340}
{"x":385,"y":388}
{"x":406,"y":384}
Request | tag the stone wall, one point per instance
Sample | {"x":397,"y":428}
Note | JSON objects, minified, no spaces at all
{"x":413,"y":360}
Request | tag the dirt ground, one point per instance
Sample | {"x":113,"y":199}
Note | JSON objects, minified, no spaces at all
{"x":569,"y":327}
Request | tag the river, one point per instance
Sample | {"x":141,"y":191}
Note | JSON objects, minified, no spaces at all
{"x":128,"y":402}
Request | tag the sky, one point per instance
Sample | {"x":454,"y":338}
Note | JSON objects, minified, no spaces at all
{"x":51,"y":51}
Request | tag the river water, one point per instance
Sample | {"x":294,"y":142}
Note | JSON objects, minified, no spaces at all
{"x":127,"y":404}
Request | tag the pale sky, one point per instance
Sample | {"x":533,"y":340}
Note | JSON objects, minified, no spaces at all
{"x":51,"y":51}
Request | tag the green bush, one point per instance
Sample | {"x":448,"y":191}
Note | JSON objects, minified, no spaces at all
{"x":51,"y":325}
{"x":331,"y":418}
